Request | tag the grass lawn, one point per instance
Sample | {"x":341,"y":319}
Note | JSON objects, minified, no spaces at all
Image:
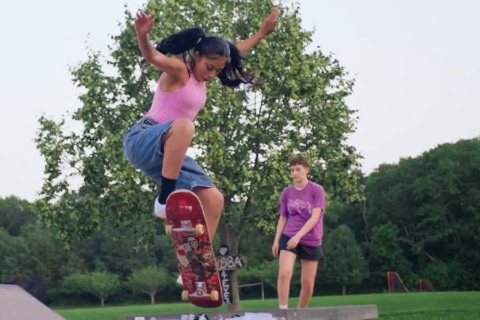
{"x":411,"y":306}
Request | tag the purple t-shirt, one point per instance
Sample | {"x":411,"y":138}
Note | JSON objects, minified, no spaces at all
{"x":297,"y":206}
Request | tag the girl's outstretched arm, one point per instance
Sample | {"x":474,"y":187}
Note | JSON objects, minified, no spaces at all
{"x":268,"y":26}
{"x":172,"y":66}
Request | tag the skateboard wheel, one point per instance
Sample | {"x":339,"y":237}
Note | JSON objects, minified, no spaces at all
{"x":168,"y":230}
{"x":185,"y":295}
{"x":214,"y":295}
{"x":199,"y":229}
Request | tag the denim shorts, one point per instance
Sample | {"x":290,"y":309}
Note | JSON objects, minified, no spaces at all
{"x":142,"y":145}
{"x":304,"y":252}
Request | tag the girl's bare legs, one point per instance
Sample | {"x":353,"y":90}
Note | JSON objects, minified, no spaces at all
{"x":309,"y":271}
{"x":286,"y":263}
{"x":175,"y":145}
{"x":212,"y":202}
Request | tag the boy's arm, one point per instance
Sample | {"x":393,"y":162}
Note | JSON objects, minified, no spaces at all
{"x":282,"y":220}
{"x":309,"y":224}
{"x":268,"y":25}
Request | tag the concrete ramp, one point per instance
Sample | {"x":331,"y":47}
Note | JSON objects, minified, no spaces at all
{"x":362,"y":312}
{"x":18,"y":304}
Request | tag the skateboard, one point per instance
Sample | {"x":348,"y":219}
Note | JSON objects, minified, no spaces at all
{"x":185,"y":224}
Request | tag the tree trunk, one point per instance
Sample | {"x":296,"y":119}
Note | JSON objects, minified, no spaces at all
{"x":344,"y":289}
{"x":152,"y":298}
{"x":235,"y":306}
{"x":102,"y":301}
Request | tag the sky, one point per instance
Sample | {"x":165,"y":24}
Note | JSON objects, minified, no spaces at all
{"x":416,"y":65}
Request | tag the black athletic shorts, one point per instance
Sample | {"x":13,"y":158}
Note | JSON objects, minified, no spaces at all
{"x":302,"y":251}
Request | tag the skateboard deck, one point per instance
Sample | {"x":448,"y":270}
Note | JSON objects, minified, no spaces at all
{"x":185,"y":223}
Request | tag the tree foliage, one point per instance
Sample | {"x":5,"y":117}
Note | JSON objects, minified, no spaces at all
{"x":434,"y":203}
{"x":344,"y":264}
{"x":28,"y":250}
{"x":386,"y":254}
{"x":14,"y":214}
{"x":100,"y":284}
{"x":382,"y":228}
{"x":149,"y":280}
{"x":47,"y":257}
{"x":244,"y":136}
{"x":114,"y":250}
{"x":13,"y":253}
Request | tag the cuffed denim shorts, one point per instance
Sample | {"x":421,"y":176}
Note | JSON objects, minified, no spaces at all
{"x":142,"y":145}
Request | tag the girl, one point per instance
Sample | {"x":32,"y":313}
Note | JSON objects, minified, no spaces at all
{"x":158,"y":143}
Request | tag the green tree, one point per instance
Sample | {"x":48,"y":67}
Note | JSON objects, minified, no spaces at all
{"x":100,"y":284}
{"x":14,"y":259}
{"x":15,"y":213}
{"x":264,"y":272}
{"x":114,"y":249}
{"x":14,"y":253}
{"x":351,"y":214}
{"x":148,"y":280}
{"x":47,"y":257}
{"x":434,"y":202}
{"x":28,"y":250}
{"x":386,"y":254}
{"x":73,"y":284}
{"x":244,"y":137}
{"x":344,"y":263}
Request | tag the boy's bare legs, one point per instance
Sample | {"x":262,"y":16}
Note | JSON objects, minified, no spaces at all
{"x":309,"y":271}
{"x":212,"y":202}
{"x":286,"y":263}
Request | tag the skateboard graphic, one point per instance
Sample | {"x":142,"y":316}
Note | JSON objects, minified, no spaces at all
{"x":185,"y":223}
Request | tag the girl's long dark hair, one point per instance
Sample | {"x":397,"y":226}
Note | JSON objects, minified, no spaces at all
{"x":194,"y":38}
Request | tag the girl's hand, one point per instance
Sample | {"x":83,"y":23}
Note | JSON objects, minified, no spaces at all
{"x":269,"y":23}
{"x":143,"y":23}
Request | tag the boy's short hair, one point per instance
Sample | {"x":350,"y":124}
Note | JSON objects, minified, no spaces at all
{"x":299,"y":160}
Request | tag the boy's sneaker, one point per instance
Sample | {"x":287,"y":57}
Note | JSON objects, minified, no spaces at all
{"x":159,"y":210}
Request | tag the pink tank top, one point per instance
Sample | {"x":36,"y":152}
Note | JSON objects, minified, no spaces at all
{"x":184,"y":103}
